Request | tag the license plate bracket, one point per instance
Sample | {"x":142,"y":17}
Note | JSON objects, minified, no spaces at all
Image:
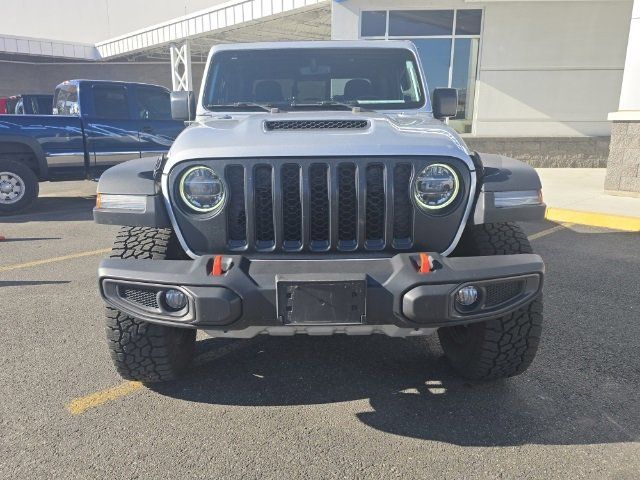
{"x":321,"y":302}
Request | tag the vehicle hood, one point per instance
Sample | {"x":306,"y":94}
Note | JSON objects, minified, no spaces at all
{"x":238,"y":136}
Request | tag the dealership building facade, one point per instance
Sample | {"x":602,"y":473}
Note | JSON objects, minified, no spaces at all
{"x":552,"y":82}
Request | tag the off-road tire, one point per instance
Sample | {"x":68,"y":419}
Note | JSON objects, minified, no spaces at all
{"x":493,"y":239}
{"x":140,"y":350}
{"x":506,"y":346}
{"x":31,"y":187}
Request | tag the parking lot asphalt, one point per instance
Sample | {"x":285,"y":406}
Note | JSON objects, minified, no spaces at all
{"x":308,"y":407}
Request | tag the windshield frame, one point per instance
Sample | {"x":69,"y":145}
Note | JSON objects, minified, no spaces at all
{"x":422,"y":103}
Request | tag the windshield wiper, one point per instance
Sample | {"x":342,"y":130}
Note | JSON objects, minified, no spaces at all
{"x":327,"y":103}
{"x":238,"y":106}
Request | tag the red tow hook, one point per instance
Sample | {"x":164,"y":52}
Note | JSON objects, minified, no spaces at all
{"x":425,"y":265}
{"x":216,"y":267}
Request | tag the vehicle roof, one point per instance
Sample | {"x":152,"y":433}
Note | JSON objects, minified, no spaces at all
{"x":78,"y":81}
{"x":406,"y":44}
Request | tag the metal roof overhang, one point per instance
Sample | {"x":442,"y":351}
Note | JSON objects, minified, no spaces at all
{"x":234,"y":21}
{"x":40,"y":49}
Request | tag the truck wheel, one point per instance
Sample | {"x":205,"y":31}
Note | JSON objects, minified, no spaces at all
{"x":140,"y":350}
{"x":19,"y":187}
{"x":506,"y":346}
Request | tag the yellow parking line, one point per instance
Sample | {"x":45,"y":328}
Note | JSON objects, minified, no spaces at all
{"x":614,"y":222}
{"x":549,"y":231}
{"x":80,"y":405}
{"x":35,"y":263}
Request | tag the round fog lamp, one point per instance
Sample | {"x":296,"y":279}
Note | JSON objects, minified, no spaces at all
{"x":467,"y":296}
{"x":175,"y":299}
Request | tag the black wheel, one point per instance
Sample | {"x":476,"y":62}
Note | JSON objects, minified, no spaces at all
{"x":141,"y":350}
{"x":506,"y":346}
{"x":19,"y":187}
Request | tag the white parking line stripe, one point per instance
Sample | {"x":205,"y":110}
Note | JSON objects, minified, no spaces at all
{"x":549,"y":231}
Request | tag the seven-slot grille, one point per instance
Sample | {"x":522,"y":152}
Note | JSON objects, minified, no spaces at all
{"x":319,"y":206}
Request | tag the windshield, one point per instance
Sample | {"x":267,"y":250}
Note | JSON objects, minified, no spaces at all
{"x":327,"y":78}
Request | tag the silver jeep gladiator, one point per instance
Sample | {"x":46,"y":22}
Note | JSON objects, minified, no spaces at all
{"x":317,"y":191}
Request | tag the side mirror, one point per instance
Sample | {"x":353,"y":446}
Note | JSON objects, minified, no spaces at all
{"x":445,"y":102}
{"x":183,"y":106}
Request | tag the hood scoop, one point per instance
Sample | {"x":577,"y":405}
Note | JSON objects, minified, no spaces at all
{"x":272,"y":125}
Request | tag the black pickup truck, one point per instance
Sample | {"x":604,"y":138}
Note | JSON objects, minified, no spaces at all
{"x":95,"y":125}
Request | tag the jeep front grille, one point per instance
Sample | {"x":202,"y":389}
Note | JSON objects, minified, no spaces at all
{"x":263,"y":207}
{"x":319,"y":206}
{"x":237,"y":219}
{"x":291,"y":206}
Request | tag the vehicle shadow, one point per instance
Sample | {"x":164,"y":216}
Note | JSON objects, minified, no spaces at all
{"x":411,"y":391}
{"x":582,"y":389}
{"x":56,"y":209}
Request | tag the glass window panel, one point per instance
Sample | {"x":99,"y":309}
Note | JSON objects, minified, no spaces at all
{"x":427,"y":23}
{"x":374,"y":24}
{"x":110,"y":102}
{"x":311,"y":91}
{"x":42,"y":105}
{"x":468,"y":22}
{"x":465,"y":66}
{"x":66,"y":100}
{"x":435,"y":55}
{"x":153,"y":104}
{"x":380,"y":76}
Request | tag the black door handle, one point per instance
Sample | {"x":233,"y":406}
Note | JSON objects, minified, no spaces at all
{"x":147,"y":129}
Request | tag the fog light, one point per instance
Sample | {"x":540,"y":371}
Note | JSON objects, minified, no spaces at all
{"x":175,"y":299}
{"x":467,"y":296}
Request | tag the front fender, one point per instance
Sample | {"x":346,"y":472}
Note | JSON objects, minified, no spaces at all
{"x":132,"y":178}
{"x":504,"y":174}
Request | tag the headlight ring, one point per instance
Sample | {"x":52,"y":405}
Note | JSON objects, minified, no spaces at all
{"x":202,"y":190}
{"x":436,"y":187}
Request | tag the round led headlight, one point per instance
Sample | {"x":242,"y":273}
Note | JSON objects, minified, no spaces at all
{"x":435,"y":187}
{"x":202,"y":190}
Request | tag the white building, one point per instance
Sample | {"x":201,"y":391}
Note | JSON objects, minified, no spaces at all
{"x":547,"y":81}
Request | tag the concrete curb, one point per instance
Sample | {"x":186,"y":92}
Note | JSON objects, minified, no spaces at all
{"x":614,"y":222}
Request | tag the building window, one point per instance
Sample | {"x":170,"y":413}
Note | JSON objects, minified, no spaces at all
{"x":420,"y":23}
{"x":468,"y":22}
{"x":463,"y":77}
{"x":448,"y":42}
{"x":374,"y":24}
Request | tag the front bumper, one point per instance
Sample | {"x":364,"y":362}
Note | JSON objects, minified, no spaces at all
{"x":245,"y":297}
